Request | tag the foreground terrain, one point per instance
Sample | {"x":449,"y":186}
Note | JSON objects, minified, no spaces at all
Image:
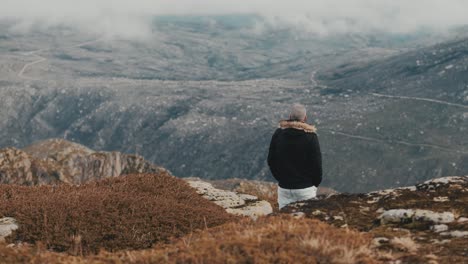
{"x":146,"y":215}
{"x":419,"y":224}
{"x":426,"y":223}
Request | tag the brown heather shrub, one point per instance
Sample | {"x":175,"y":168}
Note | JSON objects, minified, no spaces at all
{"x":268,"y":240}
{"x":272,"y":240}
{"x":130,"y":212}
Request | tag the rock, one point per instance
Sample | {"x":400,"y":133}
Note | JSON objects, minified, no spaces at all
{"x":462,"y":220}
{"x":396,"y":216}
{"x":433,"y":184}
{"x":233,"y":202}
{"x":317,"y":212}
{"x":446,"y":180}
{"x":248,"y":197}
{"x":409,"y":188}
{"x":455,"y":233}
{"x":411,"y":215}
{"x":430,"y":216}
{"x":296,"y":204}
{"x":378,"y":241}
{"x":441,"y":199}
{"x":364,"y":209}
{"x":298,"y":215}
{"x":437,"y":241}
{"x":60,"y":161}
{"x":338,"y":218}
{"x":225,"y":199}
{"x":254,"y":210}
{"x":439,"y":228}
{"x":7,"y":226}
{"x":374,"y":200}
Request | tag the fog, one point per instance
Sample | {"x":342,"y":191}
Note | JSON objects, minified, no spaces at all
{"x":132,"y":18}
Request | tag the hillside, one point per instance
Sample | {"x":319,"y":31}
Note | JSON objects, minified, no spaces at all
{"x":422,"y":223}
{"x":426,"y":223}
{"x":158,"y":218}
{"x":132,"y":212}
{"x":203,"y":101}
{"x":58,"y":162}
{"x":419,"y":118}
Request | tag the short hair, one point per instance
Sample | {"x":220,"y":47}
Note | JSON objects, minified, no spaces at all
{"x":298,"y":112}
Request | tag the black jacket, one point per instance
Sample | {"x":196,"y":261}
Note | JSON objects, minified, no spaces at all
{"x":294,"y":157}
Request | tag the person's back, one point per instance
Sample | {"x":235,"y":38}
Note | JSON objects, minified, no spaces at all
{"x":294,"y":158}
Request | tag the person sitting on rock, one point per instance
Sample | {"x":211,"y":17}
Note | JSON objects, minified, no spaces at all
{"x":295,"y":159}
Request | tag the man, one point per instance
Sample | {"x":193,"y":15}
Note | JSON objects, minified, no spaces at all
{"x":295,"y":159}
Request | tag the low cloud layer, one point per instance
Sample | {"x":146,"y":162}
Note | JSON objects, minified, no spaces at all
{"x":131,"y":18}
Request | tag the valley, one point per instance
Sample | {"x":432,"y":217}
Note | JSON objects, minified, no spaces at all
{"x":203,"y":101}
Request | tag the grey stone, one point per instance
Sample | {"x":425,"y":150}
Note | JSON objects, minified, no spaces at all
{"x":455,"y":233}
{"x":409,"y":215}
{"x":233,"y":202}
{"x":7,"y":226}
{"x":439,"y":228}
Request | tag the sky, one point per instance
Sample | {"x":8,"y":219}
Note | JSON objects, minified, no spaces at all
{"x":132,"y":17}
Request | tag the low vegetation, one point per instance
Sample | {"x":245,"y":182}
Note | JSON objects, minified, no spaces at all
{"x":268,"y":240}
{"x":131,"y":212}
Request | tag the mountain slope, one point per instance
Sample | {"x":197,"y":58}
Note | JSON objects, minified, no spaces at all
{"x":383,"y":121}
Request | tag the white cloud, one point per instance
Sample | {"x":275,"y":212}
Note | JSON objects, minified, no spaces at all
{"x":130,"y":17}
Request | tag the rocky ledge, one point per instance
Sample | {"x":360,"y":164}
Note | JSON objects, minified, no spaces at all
{"x":234,"y":203}
{"x":60,"y":161}
{"x":426,"y":223}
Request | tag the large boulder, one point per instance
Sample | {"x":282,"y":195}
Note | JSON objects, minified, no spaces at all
{"x":57,"y":160}
{"x":397,"y":216}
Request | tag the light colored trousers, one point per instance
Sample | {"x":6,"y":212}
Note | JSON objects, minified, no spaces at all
{"x":287,"y":196}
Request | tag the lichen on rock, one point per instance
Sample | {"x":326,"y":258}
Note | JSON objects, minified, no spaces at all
{"x":233,"y":202}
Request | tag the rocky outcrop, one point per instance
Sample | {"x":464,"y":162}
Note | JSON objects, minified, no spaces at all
{"x":7,"y":226}
{"x":234,"y":203}
{"x":428,"y":217}
{"x":261,"y":187}
{"x":56,"y":160}
{"x":397,"y":216}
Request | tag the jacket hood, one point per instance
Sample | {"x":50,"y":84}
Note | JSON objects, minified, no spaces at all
{"x":297,"y":125}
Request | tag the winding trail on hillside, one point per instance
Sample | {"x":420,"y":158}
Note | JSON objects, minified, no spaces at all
{"x":399,"y":142}
{"x":27,"y":65}
{"x":420,"y":99}
{"x":40,"y":59}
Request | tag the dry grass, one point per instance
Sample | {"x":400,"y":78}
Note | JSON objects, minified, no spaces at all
{"x":131,"y":212}
{"x":404,"y":244}
{"x":267,"y":240}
